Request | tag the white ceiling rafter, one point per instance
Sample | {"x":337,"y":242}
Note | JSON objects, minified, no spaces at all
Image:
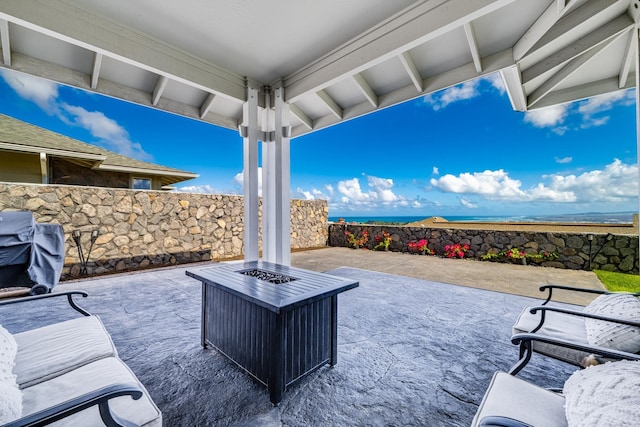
{"x":366,"y":90}
{"x":584,"y":91}
{"x":411,"y":69}
{"x":571,"y":68}
{"x":513,"y":85}
{"x":342,"y":68}
{"x":6,"y":45}
{"x":61,"y":20}
{"x":535,"y":32}
{"x":81,"y":80}
{"x":572,"y":25}
{"x":161,"y":85}
{"x":95,"y":72}
{"x":329,"y":102}
{"x":473,"y":45}
{"x":629,"y":57}
{"x":493,"y":63}
{"x":607,"y":32}
{"x":430,"y":19}
{"x":206,"y":105}
{"x":306,"y":120}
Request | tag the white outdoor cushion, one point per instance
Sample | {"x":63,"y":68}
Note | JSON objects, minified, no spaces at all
{"x":614,"y":335}
{"x":52,"y":350}
{"x":511,"y":397}
{"x":10,"y":395}
{"x":87,"y":378}
{"x":556,"y":325}
{"x":604,"y":395}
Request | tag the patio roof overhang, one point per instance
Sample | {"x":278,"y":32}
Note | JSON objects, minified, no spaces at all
{"x":316,"y":64}
{"x":335,"y":60}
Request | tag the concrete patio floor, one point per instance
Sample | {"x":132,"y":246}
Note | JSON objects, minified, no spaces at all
{"x":410,"y":351}
{"x":509,"y":278}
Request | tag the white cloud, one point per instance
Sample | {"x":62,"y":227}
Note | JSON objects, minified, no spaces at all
{"x":468,"y":203}
{"x":108,"y":132}
{"x":353,"y":194}
{"x":495,"y":184}
{"x":466,"y":90}
{"x":239,"y":179}
{"x":43,"y":93}
{"x":617,"y":182}
{"x":313,"y":194}
{"x":382,"y":188}
{"x":563,"y":160}
{"x":202,"y":189}
{"x":547,"y":117}
{"x":590,"y":113}
{"x":329,"y":189}
{"x":435,"y":171}
{"x":591,"y":108}
{"x":496,"y":81}
{"x":606,"y":102}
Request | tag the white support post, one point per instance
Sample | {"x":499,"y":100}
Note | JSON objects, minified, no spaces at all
{"x":636,"y":36}
{"x":283,"y":178}
{"x":249,"y":132}
{"x":44,"y":168}
{"x":269,"y":188}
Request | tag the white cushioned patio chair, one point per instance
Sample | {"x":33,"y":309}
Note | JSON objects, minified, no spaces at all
{"x":603,"y":395}
{"x":611,"y":321}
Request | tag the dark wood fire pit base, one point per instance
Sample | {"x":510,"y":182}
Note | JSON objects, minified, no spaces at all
{"x":277,"y":332}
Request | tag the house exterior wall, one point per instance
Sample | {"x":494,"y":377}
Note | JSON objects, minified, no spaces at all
{"x":140,"y":229}
{"x":20,"y":167}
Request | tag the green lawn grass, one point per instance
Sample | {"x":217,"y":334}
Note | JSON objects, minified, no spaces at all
{"x":619,"y":282}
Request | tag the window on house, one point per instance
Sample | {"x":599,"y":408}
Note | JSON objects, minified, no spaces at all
{"x":142,"y":183}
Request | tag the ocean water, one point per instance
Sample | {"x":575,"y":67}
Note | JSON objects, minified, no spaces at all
{"x":590,"y":217}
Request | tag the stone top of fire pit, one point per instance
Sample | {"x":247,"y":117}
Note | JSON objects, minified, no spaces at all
{"x":276,"y":287}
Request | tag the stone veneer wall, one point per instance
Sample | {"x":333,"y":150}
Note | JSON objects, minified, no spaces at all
{"x":139,"y":229}
{"x":615,"y":253}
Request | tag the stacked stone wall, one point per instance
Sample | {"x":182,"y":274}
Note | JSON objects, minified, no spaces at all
{"x":140,"y":229}
{"x":577,"y":251}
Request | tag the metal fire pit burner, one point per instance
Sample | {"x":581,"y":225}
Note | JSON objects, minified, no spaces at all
{"x":268,"y":276}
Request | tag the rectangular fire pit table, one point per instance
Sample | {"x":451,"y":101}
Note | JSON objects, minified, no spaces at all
{"x":278,"y":323}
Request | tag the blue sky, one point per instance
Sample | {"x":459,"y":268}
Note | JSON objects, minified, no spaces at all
{"x":460,"y":151}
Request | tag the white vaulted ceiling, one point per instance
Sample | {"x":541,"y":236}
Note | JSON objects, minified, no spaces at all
{"x":336,"y":59}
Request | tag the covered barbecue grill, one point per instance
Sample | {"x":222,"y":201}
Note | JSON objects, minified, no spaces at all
{"x":31,"y":254}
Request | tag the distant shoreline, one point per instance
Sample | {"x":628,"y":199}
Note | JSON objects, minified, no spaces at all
{"x":629,"y":227}
{"x":581,"y":218}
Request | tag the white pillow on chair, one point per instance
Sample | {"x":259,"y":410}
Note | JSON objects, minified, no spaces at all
{"x":604,"y":395}
{"x":614,"y":335}
{"x":10,"y":395}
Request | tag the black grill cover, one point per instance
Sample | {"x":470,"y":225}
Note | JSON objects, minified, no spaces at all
{"x":31,"y":254}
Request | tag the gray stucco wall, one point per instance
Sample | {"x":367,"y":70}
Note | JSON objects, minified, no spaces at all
{"x":139,"y":229}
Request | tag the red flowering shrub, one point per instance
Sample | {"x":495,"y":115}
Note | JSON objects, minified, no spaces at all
{"x":455,"y":251}
{"x":357,"y":242}
{"x":419,"y":246}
